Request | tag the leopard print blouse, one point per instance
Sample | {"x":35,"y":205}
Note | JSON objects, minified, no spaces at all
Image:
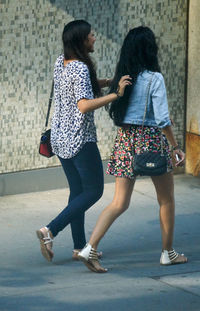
{"x":70,"y":129}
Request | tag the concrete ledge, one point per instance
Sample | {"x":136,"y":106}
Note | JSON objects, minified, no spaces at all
{"x":43,"y":179}
{"x":37,"y":180}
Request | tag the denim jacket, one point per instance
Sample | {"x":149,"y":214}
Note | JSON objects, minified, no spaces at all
{"x":157,"y":109}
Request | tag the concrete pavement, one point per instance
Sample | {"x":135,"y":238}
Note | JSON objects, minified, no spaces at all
{"x":131,"y":248}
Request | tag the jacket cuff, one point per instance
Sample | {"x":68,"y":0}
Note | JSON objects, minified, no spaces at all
{"x":164,"y":123}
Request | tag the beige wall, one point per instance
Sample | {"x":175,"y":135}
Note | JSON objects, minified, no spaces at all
{"x":193,"y":98}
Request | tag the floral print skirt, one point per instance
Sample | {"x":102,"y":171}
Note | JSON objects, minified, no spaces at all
{"x":128,"y":142}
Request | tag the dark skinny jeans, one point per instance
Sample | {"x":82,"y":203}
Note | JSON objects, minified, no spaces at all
{"x":84,"y":173}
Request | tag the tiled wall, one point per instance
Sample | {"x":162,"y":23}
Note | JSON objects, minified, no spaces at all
{"x":30,"y":33}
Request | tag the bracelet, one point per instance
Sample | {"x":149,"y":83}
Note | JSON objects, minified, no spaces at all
{"x":176,"y":147}
{"x":117,"y":93}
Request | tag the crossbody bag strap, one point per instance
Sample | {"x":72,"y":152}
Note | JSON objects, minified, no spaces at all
{"x":49,"y":106}
{"x":146,"y":104}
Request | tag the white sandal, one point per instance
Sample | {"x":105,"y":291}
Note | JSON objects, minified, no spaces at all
{"x":75,"y":254}
{"x":89,"y":257}
{"x":170,"y":258}
{"x":44,"y":241}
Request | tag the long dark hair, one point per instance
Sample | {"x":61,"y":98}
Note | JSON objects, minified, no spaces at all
{"x":74,"y":35}
{"x":138,"y":53}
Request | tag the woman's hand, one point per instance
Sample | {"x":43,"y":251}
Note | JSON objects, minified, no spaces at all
{"x":123,"y":82}
{"x":179,"y":157}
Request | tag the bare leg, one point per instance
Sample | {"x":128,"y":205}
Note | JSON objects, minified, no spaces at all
{"x":164,"y":186}
{"x":123,"y":191}
{"x":121,"y":200}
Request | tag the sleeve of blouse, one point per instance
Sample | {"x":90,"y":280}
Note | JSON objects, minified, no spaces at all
{"x":159,"y":101}
{"x":82,"y":83}
{"x":56,"y":83}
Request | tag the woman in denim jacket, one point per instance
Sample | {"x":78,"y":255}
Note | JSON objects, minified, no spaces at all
{"x":138,"y":59}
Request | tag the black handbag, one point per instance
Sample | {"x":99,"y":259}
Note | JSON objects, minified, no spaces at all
{"x":45,"y":148}
{"x":149,"y":163}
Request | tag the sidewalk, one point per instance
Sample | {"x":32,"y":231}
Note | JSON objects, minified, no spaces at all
{"x":131,"y":252}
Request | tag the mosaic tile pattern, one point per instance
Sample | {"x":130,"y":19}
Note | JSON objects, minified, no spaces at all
{"x":30,"y":40}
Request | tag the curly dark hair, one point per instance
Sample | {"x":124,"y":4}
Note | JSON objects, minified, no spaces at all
{"x":138,"y":53}
{"x":74,"y":35}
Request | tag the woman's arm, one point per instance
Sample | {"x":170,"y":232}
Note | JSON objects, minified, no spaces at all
{"x":86,"y":105}
{"x":160,"y":107}
{"x":170,"y":135}
{"x":159,"y":100}
{"x":178,"y":154}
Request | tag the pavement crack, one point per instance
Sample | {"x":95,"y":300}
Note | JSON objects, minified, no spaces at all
{"x":180,"y":288}
{"x":159,"y":279}
{"x":146,"y":195}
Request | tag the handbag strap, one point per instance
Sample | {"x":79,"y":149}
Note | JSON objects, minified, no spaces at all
{"x":50,"y":102}
{"x":144,"y":116}
{"x":146,"y":104}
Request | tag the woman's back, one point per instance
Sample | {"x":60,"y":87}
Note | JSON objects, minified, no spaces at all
{"x":157,"y":108}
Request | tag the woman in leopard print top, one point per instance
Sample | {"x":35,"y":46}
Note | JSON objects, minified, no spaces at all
{"x":73,"y":132}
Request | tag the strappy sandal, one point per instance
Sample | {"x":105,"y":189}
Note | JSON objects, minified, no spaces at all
{"x":44,"y":241}
{"x":75,"y":254}
{"x":89,"y":257}
{"x":172,"y":258}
